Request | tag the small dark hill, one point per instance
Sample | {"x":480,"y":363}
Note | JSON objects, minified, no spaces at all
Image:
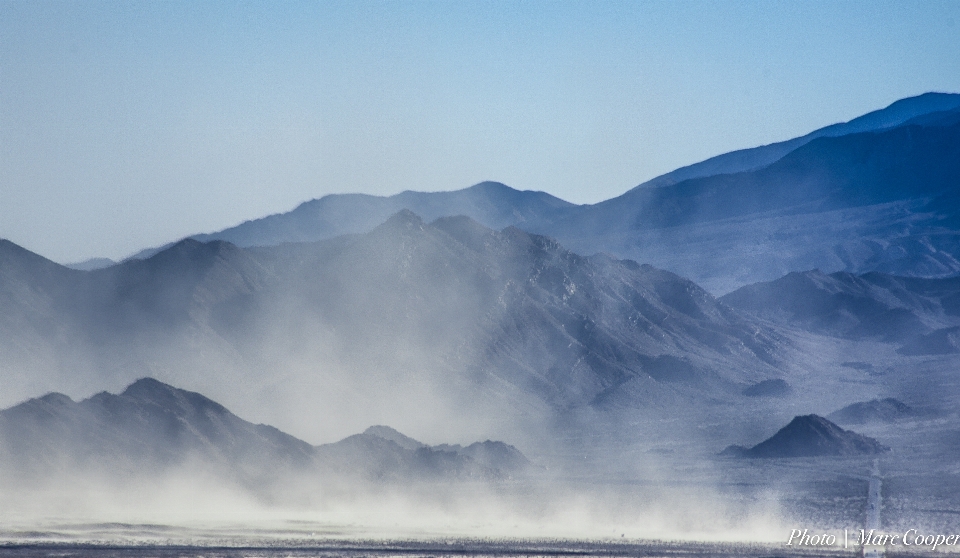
{"x":810,"y":436}
{"x":877,"y":410}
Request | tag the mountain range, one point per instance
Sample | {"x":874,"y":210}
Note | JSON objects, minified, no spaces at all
{"x":879,"y":200}
{"x":152,"y":428}
{"x":585,"y":335}
{"x":479,"y":304}
{"x":872,"y":194}
{"x":498,"y":327}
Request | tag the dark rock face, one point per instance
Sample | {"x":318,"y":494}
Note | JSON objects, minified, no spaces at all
{"x":877,"y":410}
{"x":810,"y":436}
{"x":768,"y":388}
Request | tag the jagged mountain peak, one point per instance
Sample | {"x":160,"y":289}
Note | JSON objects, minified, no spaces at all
{"x":403,"y":219}
{"x":493,"y":204}
{"x":149,"y":390}
{"x":55,"y":398}
{"x":392,"y":435}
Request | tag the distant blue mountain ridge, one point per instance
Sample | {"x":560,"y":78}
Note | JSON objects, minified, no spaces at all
{"x":492,"y":204}
{"x":911,"y":110}
{"x":877,"y":193}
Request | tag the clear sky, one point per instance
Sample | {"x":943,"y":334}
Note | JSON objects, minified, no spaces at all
{"x":130,"y":124}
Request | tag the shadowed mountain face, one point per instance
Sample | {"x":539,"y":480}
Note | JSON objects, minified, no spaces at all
{"x":825,"y":174}
{"x":477,"y":321}
{"x":926,"y":109}
{"x":870,"y":306}
{"x":810,"y":436}
{"x":943,"y":341}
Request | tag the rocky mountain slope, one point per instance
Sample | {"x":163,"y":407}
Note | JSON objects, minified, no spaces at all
{"x":873,"y":201}
{"x":913,"y":312}
{"x":497,"y":328}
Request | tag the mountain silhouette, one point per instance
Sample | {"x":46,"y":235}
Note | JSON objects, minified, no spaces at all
{"x":492,"y":204}
{"x":152,"y":428}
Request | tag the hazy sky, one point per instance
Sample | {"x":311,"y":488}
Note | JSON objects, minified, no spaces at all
{"x":129,"y":124}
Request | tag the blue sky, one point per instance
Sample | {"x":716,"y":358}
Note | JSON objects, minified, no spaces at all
{"x":130,"y":124}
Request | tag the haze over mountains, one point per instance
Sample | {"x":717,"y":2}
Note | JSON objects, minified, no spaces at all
{"x":492,"y":204}
{"x":591,"y":338}
{"x":152,"y":429}
{"x":503,"y":328}
{"x":514,"y":317}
